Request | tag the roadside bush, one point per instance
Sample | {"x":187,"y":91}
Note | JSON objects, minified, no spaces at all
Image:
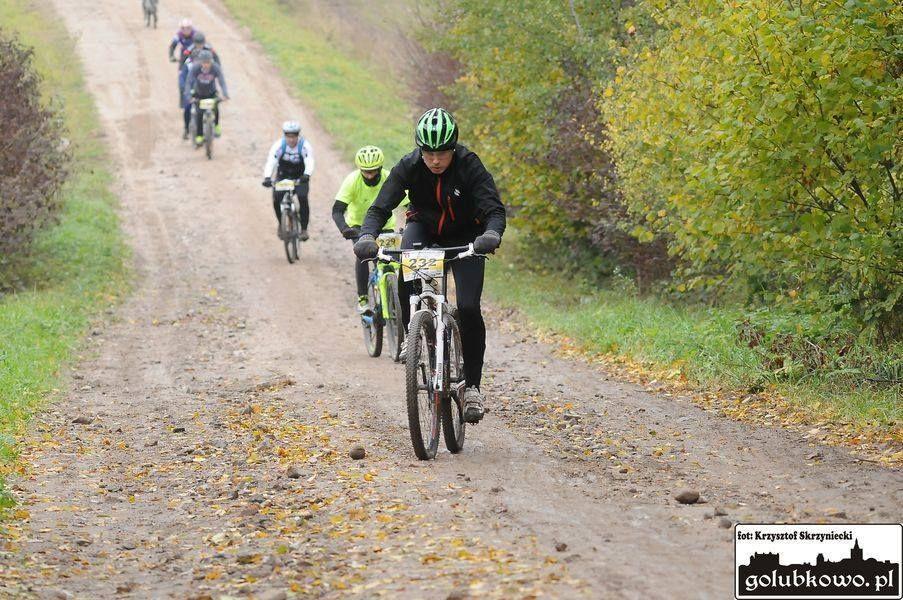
{"x":763,"y":139}
{"x":525,"y":100}
{"x":32,"y":159}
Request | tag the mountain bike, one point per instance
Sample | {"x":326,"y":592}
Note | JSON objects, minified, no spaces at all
{"x":208,"y":106}
{"x":289,"y":218}
{"x":434,"y":364}
{"x":383,"y":310}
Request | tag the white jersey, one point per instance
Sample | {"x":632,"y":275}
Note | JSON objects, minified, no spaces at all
{"x":302,"y":152}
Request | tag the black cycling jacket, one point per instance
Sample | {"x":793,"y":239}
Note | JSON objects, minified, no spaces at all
{"x":457,"y":205}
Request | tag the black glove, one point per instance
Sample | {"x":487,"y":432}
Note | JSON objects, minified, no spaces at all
{"x":267,"y":182}
{"x":351,"y":232}
{"x":304,"y":178}
{"x":366,"y":247}
{"x":487,"y":242}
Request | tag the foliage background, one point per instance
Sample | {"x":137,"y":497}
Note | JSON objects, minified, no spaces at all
{"x":747,"y":151}
{"x":763,"y":139}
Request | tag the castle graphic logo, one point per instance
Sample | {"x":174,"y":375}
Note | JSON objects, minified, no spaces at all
{"x":819,"y":562}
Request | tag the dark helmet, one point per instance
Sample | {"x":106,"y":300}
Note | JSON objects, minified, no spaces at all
{"x":205,"y":56}
{"x":199,"y":39}
{"x":436,"y":130}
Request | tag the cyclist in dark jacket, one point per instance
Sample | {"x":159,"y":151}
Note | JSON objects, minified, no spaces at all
{"x":453,"y":202}
{"x":203,"y":76}
{"x":190,"y":55}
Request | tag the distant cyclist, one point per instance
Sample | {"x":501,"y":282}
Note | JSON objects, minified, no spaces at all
{"x":357,"y":193}
{"x":291,"y":157}
{"x":183,"y":39}
{"x":189,"y":56}
{"x":454,"y":202}
{"x":201,"y":84}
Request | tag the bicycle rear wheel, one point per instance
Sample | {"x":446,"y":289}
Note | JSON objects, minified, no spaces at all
{"x":453,"y":425}
{"x":371,"y":321}
{"x":394,"y":325}
{"x":422,"y":400}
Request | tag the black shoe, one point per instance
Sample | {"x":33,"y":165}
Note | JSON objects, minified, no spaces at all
{"x":303,"y":236}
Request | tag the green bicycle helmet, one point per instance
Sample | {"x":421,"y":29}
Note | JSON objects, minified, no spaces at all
{"x":369,"y":158}
{"x":436,"y":131}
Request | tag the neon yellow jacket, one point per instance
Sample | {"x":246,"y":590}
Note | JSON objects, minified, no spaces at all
{"x":358,"y":196}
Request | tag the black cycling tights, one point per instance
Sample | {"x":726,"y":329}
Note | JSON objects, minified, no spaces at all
{"x":302,"y":189}
{"x":468,"y":276}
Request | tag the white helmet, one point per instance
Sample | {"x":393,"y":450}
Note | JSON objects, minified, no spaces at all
{"x":291,"y":127}
{"x":185,"y":23}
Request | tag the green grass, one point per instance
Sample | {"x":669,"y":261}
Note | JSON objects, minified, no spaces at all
{"x":77,"y":267}
{"x":357,"y":104}
{"x":700,"y":342}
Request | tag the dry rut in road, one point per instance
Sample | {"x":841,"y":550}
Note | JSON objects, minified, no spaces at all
{"x":227,"y":368}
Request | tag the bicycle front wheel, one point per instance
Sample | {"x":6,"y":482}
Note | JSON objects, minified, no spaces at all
{"x":296,"y":235}
{"x":289,"y":238}
{"x":394,"y":325}
{"x":371,"y":321}
{"x":208,"y":137}
{"x":453,"y":403}
{"x":192,"y":126}
{"x":422,"y":400}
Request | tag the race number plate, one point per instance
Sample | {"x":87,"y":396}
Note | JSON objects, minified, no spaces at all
{"x":284,"y":185}
{"x":422,"y":264}
{"x":207,"y":103}
{"x":389,"y":241}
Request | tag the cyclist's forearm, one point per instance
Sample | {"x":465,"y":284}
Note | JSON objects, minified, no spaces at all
{"x":338,"y":215}
{"x":172,"y":47}
{"x":496,"y":222}
{"x":390,"y":196}
{"x":376,"y":219}
{"x":308,"y":152}
{"x":222,"y":85}
{"x":490,"y":209}
{"x":270,"y":167}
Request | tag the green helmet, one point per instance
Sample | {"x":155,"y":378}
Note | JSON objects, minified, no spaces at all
{"x":436,"y":130}
{"x":369,"y":157}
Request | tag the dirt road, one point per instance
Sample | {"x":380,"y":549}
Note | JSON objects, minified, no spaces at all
{"x":227,"y":366}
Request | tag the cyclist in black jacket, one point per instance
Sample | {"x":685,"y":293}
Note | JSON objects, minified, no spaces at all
{"x":454,"y":202}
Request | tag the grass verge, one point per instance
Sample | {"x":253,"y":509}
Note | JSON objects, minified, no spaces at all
{"x":356,"y":104}
{"x":77,"y":267}
{"x":698,"y":350}
{"x":690,"y":347}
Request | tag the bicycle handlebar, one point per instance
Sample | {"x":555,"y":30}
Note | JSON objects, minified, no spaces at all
{"x":386,"y":255}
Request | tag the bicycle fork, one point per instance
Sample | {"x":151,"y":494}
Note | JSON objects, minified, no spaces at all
{"x":439,"y":324}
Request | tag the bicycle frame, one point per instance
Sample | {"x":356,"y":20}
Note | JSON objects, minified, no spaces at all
{"x":207,"y":113}
{"x":433,"y":297}
{"x":378,"y":276}
{"x":381,"y":269}
{"x":287,"y":203}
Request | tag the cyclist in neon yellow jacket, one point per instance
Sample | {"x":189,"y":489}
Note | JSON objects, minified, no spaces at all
{"x":357,"y":193}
